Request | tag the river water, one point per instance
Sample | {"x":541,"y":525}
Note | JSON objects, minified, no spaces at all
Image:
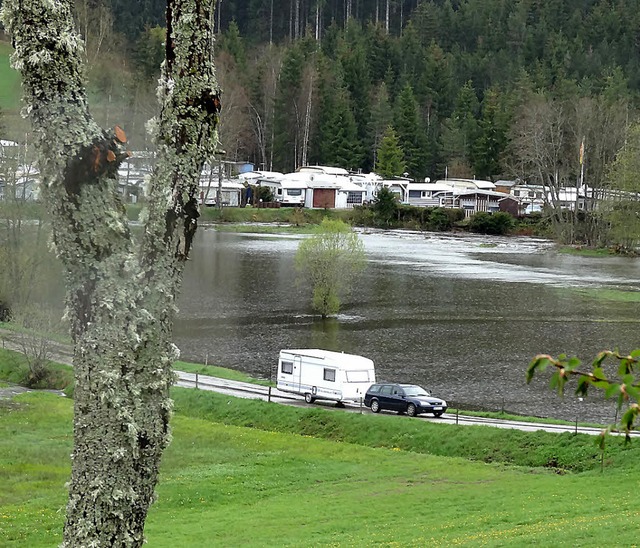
{"x":460,"y":315}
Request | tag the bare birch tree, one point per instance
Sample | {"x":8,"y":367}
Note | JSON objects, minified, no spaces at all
{"x":539,"y":142}
{"x":96,"y":25}
{"x":308,"y":84}
{"x":262,"y":103}
{"x":121,"y":294}
{"x":547,"y":137}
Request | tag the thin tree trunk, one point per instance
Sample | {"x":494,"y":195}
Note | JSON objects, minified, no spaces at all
{"x":386,"y":18}
{"x":307,"y":122}
{"x":271,"y":24}
{"x":120,"y":298}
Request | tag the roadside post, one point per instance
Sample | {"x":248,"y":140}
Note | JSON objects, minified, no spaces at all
{"x":577,"y":414}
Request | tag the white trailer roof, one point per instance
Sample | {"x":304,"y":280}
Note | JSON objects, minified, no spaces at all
{"x":468,"y":183}
{"x":433,"y":187}
{"x":251,"y":175}
{"x":332,"y":358}
{"x":328,"y":170}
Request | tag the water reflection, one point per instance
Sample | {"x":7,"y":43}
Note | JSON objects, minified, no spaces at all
{"x":460,"y":315}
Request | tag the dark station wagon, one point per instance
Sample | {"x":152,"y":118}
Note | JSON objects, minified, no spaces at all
{"x":403,"y":398}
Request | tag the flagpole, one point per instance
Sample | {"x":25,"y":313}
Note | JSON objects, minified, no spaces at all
{"x":581,"y":176}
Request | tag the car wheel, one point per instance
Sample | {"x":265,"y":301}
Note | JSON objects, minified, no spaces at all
{"x":375,"y":406}
{"x":309,"y":398}
{"x":411,"y":410}
{"x":437,"y":414}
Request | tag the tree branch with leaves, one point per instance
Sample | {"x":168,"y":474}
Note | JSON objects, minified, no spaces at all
{"x":623,"y":384}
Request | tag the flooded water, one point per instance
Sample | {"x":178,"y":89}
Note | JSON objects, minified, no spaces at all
{"x":460,"y":315}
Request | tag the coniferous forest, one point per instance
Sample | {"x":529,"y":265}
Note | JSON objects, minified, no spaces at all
{"x":470,"y":88}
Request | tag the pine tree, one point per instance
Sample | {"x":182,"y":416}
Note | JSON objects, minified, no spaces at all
{"x":381,"y":118}
{"x":411,"y":135}
{"x":336,"y":142}
{"x":390,"y":162}
{"x":288,"y":111}
{"x":492,"y":139}
{"x":460,"y":132}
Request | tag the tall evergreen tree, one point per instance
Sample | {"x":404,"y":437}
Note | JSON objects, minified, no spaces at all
{"x":460,"y":132}
{"x":288,"y":112}
{"x":358,"y":83}
{"x":381,"y":118}
{"x":232,"y":42}
{"x":390,"y":158}
{"x":337,"y":140}
{"x":411,"y":134}
{"x":492,"y":137}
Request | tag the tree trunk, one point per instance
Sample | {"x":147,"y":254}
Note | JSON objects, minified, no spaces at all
{"x":386,"y":18}
{"x":120,"y":297}
{"x":307,"y":119}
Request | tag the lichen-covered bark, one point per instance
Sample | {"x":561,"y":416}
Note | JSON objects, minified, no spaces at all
{"x":120,"y":298}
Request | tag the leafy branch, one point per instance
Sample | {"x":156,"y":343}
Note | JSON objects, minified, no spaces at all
{"x":625,"y":387}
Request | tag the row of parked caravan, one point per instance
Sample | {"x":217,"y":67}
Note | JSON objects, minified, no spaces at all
{"x":316,"y":186}
{"x":347,"y":378}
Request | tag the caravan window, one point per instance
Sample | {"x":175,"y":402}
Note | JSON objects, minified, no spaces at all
{"x":329,"y":375}
{"x":287,"y":367}
{"x":358,"y":376}
{"x":294,"y":192}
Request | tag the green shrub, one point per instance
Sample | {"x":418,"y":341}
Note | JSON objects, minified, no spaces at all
{"x":14,"y":368}
{"x":497,"y":223}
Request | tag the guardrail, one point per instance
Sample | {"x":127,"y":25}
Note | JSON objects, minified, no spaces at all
{"x":269,"y":393}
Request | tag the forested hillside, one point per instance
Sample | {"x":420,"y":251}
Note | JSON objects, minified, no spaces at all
{"x":479,"y":88}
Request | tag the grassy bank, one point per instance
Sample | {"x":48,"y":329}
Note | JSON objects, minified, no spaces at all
{"x":14,"y":368}
{"x":9,"y":80}
{"x":562,"y":452}
{"x":230,"y":485}
{"x":612,"y":295}
{"x":216,"y":371}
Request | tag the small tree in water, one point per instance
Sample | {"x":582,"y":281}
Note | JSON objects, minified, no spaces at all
{"x":329,"y":261}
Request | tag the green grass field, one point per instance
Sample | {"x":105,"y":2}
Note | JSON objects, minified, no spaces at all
{"x":9,"y":81}
{"x":228,"y":485}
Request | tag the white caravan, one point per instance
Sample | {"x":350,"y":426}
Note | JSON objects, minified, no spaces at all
{"x":325,"y":375}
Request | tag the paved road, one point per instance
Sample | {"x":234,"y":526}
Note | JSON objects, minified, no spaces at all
{"x":62,"y":354}
{"x":252,"y":391}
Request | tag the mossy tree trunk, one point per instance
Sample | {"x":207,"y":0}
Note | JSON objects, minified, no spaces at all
{"x":120,"y":293}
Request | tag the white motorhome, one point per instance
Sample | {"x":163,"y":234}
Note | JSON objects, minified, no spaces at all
{"x":324,"y":375}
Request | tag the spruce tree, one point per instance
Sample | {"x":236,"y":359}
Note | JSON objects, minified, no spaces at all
{"x":390,"y":162}
{"x":411,"y":134}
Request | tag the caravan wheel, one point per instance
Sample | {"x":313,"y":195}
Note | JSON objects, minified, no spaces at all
{"x":309,"y":398}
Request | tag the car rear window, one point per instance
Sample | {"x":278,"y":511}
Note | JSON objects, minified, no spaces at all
{"x":375,"y":388}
